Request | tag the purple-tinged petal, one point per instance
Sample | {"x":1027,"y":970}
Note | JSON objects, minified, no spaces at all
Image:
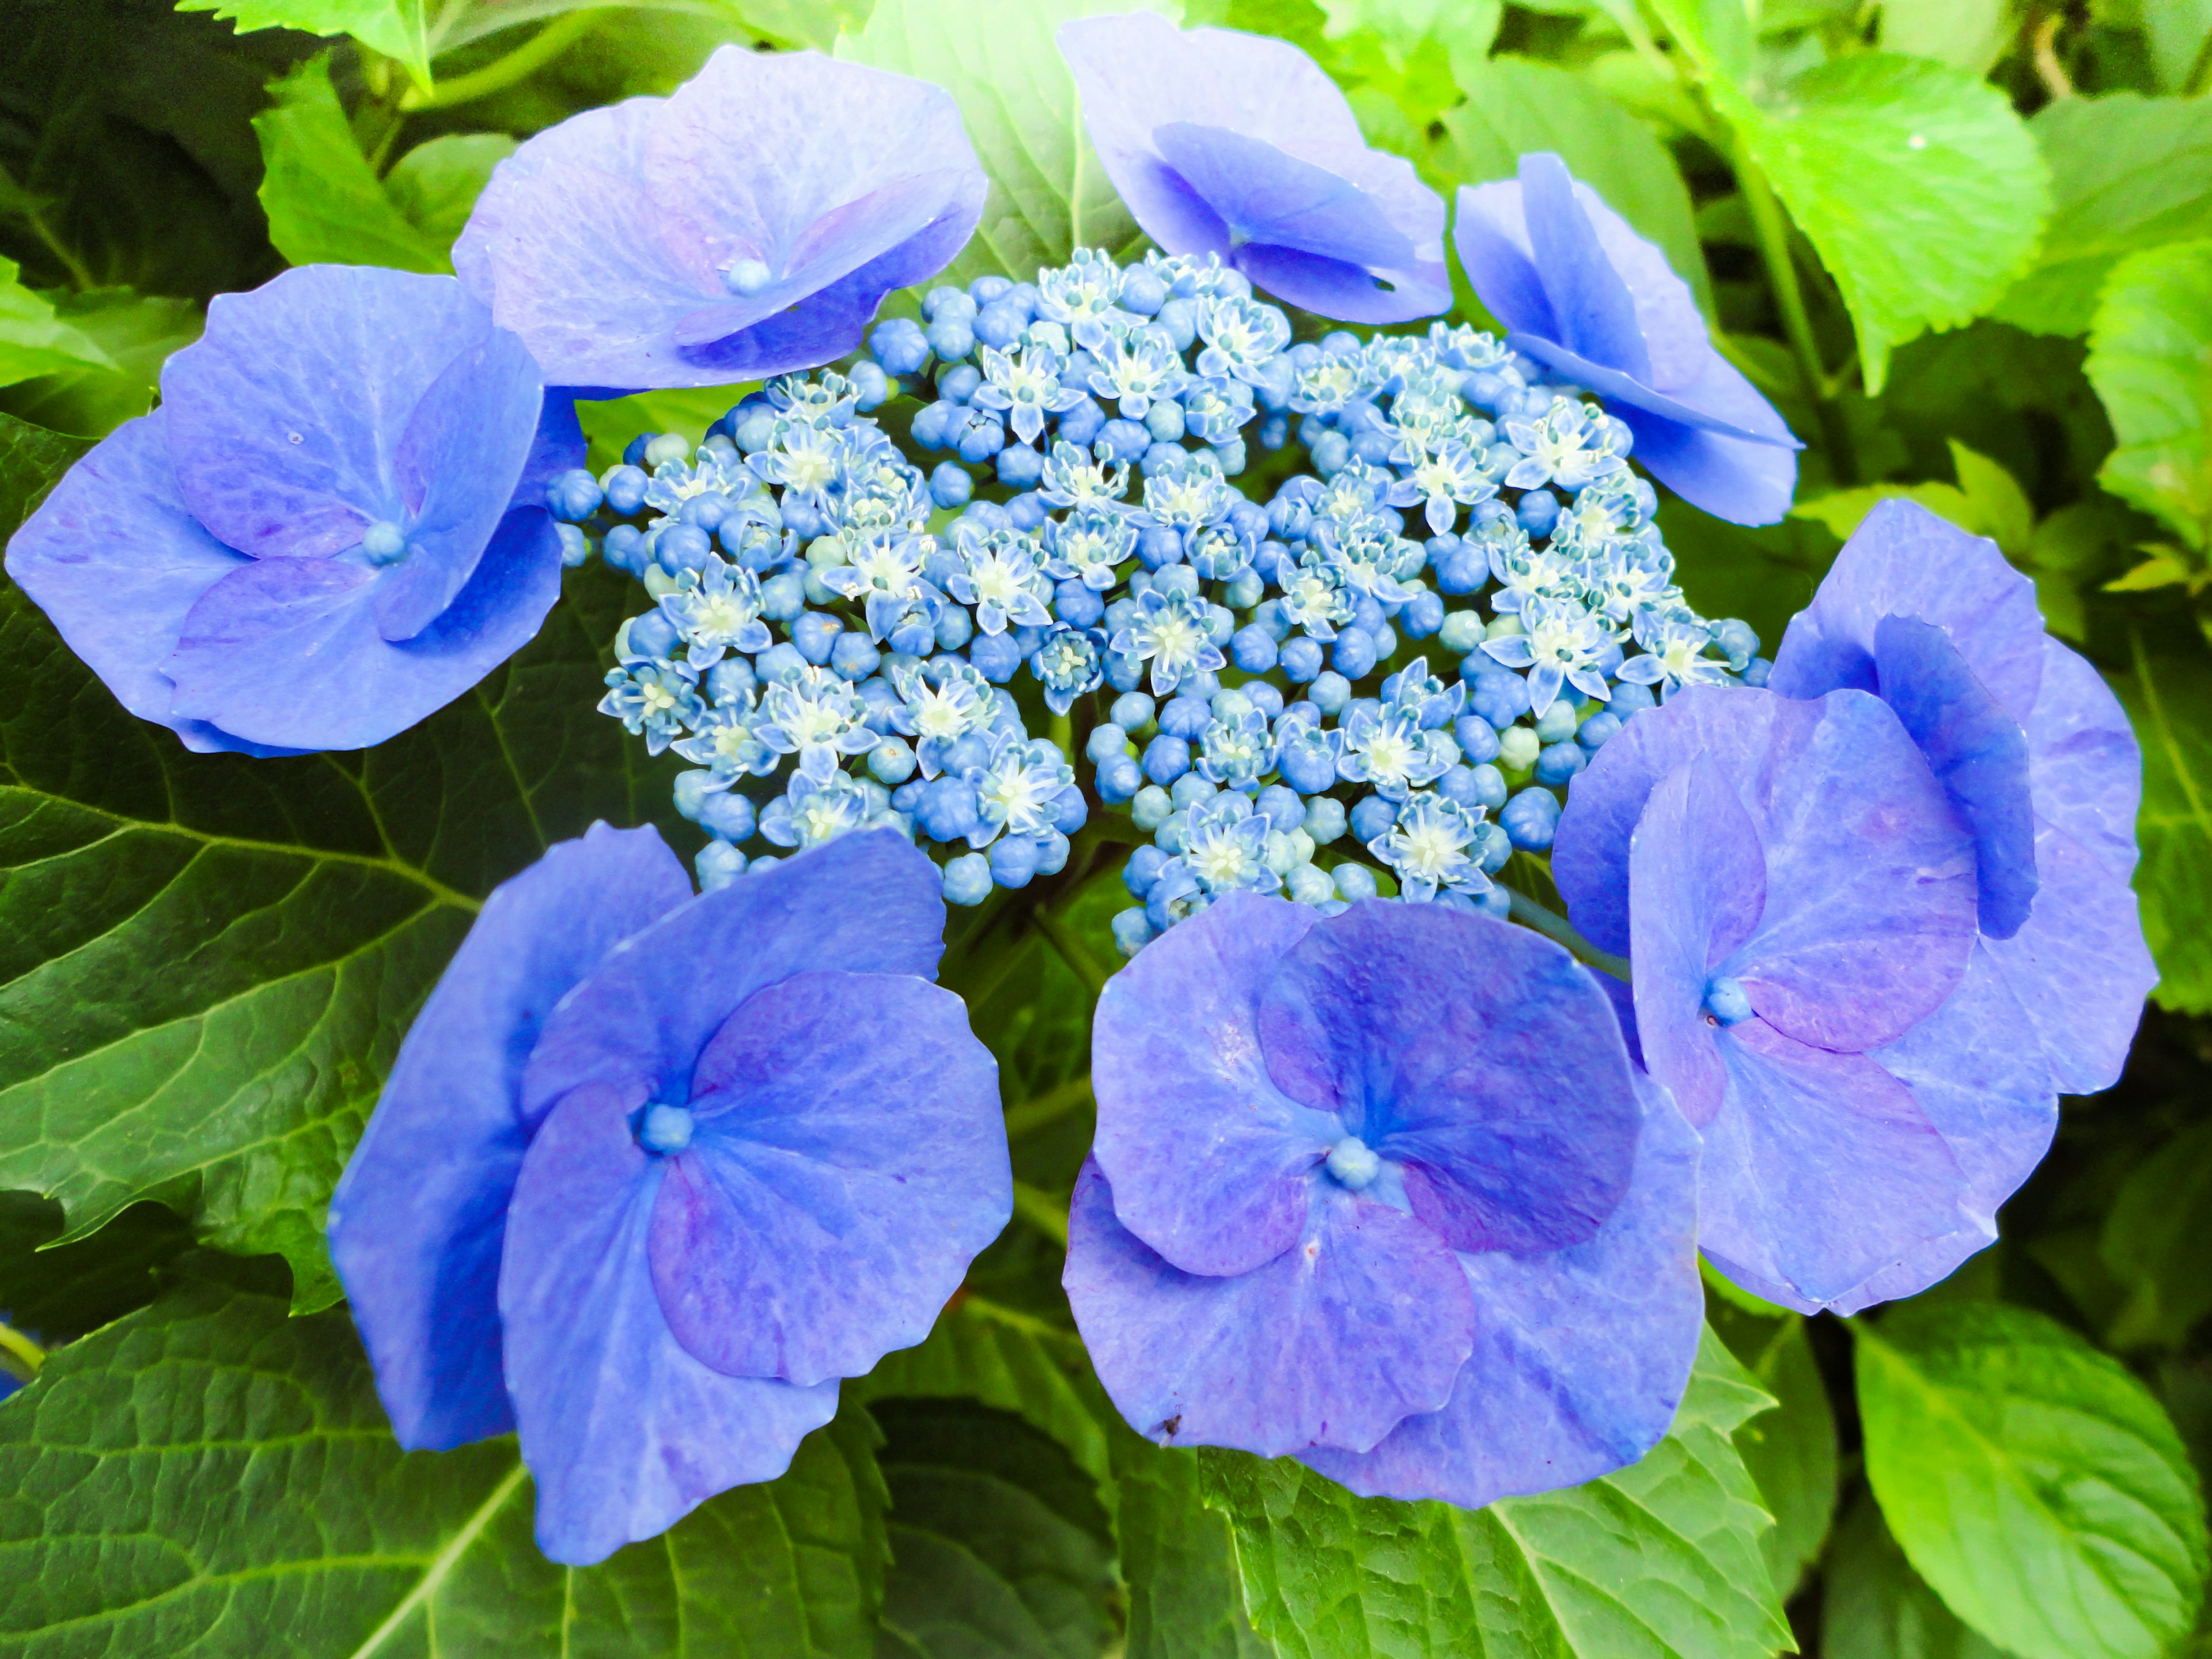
{"x":1696,"y":887}
{"x":1978,"y":753}
{"x":2079,"y":967}
{"x":1349,"y":293}
{"x":1265,"y":195}
{"x":1492,"y":238}
{"x":417,"y":1220}
{"x":1479,"y":1056}
{"x":1975,"y":1068}
{"x":1364,"y":1321}
{"x":287,"y":652}
{"x":117,"y":563}
{"x":605,"y":241}
{"x":1819,"y":1170}
{"x":478,"y":422}
{"x":868,"y":903}
{"x":2084,"y":765}
{"x":1869,"y":875}
{"x":624,"y":1432}
{"x":849,"y":1160}
{"x":1754,"y":425}
{"x":1748,"y":483}
{"x":559,"y":446}
{"x":1596,"y":314}
{"x":1212,"y":1163}
{"x":1904,"y":561}
{"x":284,"y":418}
{"x":1580,"y":1356}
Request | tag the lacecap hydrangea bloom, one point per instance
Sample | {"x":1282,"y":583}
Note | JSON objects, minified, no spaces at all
{"x":1600,"y":307}
{"x":1240,"y":146}
{"x":745,"y":227}
{"x":1383,"y":1192}
{"x":654,"y":1171}
{"x":333,"y":526}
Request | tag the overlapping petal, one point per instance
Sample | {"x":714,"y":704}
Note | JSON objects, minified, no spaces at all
{"x":1583,"y":294}
{"x":745,"y":227}
{"x":1239,"y":145}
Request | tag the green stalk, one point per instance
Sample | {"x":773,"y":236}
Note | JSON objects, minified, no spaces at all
{"x":1058,"y":934}
{"x":19,"y":1348}
{"x":525,"y":61}
{"x":1773,"y":233}
{"x":1042,"y":1211}
{"x":1047,"y":1108}
{"x":1557,"y":928}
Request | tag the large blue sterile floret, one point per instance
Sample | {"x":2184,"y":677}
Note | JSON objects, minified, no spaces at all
{"x":2033,"y":749}
{"x":1798,"y":896}
{"x":1237,"y":145}
{"x":746,"y":226}
{"x":333,"y":526}
{"x":652,"y":1172}
{"x":1383,"y":1190}
{"x":1591,"y":300}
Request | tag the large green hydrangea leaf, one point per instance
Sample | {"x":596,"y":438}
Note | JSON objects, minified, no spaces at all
{"x":394,"y":27}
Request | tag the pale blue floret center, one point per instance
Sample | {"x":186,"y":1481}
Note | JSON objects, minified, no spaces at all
{"x":383,"y":543}
{"x":1353,"y":1163}
{"x":665,"y":1129}
{"x":1727,"y":1001}
{"x":747,"y":276}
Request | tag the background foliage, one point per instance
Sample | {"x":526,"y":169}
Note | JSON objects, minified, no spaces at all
{"x":1965,"y":244}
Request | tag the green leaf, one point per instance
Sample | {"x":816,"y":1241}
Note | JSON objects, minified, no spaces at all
{"x":32,"y":340}
{"x":324,"y":202}
{"x":2150,"y":359}
{"x":435,"y":185}
{"x":1048,"y":193}
{"x":1716,"y":34}
{"x":31,"y":461}
{"x":1873,"y":1606}
{"x":2127,"y":173}
{"x":1661,"y":1558}
{"x":2153,"y":1242}
{"x":207,"y":962}
{"x":999,"y":1542}
{"x":1919,"y":186}
{"x":610,"y":423}
{"x":60,"y":1294}
{"x":1516,"y":104}
{"x":394,"y":27}
{"x":1967,"y":34}
{"x":1010,"y":1361}
{"x":1790,"y":1450}
{"x":138,"y":333}
{"x":1178,"y":1558}
{"x":1987,"y":501}
{"x":209,"y":1477}
{"x":2169,"y":699}
{"x":2032,"y":1480}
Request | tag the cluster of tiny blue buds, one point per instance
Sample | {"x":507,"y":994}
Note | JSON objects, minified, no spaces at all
{"x":1378,"y":681}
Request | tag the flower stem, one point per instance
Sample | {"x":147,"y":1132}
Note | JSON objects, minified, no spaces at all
{"x":525,"y":61}
{"x":1058,"y":934}
{"x":1042,"y":1211}
{"x":1048,"y":1108}
{"x":19,"y":1348}
{"x":1773,"y":233}
{"x":1557,"y":928}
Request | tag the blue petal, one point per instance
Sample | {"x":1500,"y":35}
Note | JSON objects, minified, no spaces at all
{"x":286,"y":417}
{"x":849,"y":1159}
{"x":1595,"y":311}
{"x":867,"y":903}
{"x":1364,"y":1322}
{"x":418,"y":1219}
{"x":1978,"y":753}
{"x":287,"y":652}
{"x":1476,"y":1054}
{"x":2084,"y":766}
{"x":1264,"y":195}
{"x":1581,"y":1355}
{"x":1211,"y":1161}
{"x":1499,"y":263}
{"x":117,"y":563}
{"x":624,"y":1432}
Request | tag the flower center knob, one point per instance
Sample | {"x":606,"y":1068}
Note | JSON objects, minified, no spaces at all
{"x":1727,"y":1002}
{"x":665,"y":1129}
{"x":383,"y":543}
{"x":1353,"y":1163}
{"x":746,"y":277}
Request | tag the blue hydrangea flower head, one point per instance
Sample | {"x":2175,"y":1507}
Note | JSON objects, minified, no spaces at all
{"x":1587,"y":296}
{"x":1240,"y":146}
{"x":1798,"y":896}
{"x":2032,"y":748}
{"x":745,"y":226}
{"x":652,"y":1171}
{"x":333,"y":526}
{"x":1347,"y":1170}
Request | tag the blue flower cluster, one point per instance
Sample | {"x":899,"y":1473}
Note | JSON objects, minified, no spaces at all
{"x":840,"y":637}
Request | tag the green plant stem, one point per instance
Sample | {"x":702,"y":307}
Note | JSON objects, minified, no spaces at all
{"x":1061,"y":937}
{"x":1042,"y":1211}
{"x":78,"y":272}
{"x":1773,"y":233}
{"x":21,"y":1348}
{"x":525,"y":61}
{"x":1557,"y":928}
{"x":1048,"y":1108}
